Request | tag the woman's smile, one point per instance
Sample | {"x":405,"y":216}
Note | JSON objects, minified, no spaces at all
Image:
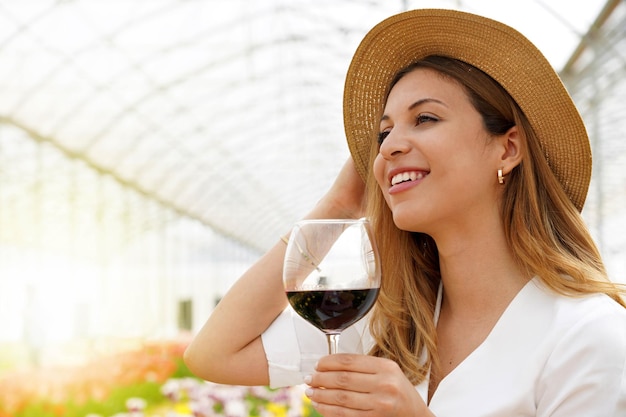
{"x":403,"y":179}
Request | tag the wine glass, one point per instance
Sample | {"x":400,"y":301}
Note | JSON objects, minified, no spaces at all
{"x":331,"y":273}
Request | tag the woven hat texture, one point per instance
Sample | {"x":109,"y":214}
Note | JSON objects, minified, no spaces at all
{"x":496,"y":49}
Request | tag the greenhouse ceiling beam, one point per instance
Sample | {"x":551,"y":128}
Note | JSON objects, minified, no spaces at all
{"x":588,"y":39}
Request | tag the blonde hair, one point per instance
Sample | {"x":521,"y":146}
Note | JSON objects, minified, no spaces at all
{"x":544,"y":230}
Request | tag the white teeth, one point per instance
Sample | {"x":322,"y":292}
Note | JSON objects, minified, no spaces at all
{"x":406,"y":176}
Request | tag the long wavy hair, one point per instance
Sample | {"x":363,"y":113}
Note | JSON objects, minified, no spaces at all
{"x":543,"y":228}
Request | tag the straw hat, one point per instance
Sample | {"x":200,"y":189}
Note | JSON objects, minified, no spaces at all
{"x":498,"y":50}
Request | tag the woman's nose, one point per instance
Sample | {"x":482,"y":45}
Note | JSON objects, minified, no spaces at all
{"x":396,"y":143}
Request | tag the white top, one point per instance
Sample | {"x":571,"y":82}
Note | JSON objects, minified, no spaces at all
{"x":548,"y":355}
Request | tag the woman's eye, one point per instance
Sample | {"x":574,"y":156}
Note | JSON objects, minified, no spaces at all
{"x":382,"y":136}
{"x":423,"y":118}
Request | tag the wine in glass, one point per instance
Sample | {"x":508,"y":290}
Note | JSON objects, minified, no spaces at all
{"x":331,"y":273}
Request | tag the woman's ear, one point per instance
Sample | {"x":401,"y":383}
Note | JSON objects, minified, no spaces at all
{"x":511,"y":153}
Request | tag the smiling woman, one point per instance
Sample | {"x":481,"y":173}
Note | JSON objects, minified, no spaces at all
{"x":494,"y":298}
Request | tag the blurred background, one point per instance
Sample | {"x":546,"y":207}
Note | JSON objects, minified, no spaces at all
{"x":150,"y":150}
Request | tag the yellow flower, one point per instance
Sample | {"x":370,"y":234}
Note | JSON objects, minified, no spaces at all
{"x":307,"y":408}
{"x":183,"y":409}
{"x":277,"y":410}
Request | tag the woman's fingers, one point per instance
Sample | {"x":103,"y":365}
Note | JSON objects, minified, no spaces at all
{"x":343,"y":380}
{"x":356,"y":363}
{"x":359,"y":385}
{"x":339,"y":397}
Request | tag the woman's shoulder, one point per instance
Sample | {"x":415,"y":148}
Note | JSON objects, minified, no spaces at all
{"x":581,"y":368}
{"x":598,"y":303}
{"x":596,"y":316}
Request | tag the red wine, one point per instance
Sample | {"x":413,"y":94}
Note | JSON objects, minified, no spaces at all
{"x":332,"y":310}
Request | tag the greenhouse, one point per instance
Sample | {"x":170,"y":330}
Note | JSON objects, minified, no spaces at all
{"x":150,"y":151}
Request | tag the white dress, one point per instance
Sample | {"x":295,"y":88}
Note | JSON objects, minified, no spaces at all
{"x":548,"y":355}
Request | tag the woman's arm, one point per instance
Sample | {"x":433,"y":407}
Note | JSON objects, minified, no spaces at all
{"x":228,"y":348}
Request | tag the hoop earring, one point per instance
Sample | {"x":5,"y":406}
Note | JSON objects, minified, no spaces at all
{"x":500,"y":177}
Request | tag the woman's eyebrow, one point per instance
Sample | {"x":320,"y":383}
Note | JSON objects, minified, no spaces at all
{"x":417,"y":104}
{"x":426,"y":100}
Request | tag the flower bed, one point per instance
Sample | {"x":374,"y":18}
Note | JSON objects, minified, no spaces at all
{"x":147,"y":382}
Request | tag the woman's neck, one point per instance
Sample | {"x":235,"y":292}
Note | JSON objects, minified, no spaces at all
{"x":479,"y":275}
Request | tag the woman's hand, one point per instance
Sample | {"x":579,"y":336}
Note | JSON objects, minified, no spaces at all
{"x":346,"y":197}
{"x":350,"y":385}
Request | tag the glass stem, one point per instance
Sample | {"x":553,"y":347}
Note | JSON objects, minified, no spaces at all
{"x":333,"y":342}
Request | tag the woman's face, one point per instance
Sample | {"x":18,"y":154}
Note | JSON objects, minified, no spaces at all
{"x":436,"y":166}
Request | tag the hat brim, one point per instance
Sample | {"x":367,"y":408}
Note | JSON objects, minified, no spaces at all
{"x":496,"y":49}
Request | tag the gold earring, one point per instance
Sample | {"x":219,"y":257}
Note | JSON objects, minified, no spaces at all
{"x":500,"y":177}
